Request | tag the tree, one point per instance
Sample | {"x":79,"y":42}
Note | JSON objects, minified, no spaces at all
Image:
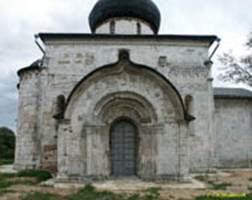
{"x":238,"y":70}
{"x":7,"y":144}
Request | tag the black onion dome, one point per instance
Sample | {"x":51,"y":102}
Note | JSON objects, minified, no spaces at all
{"x":145,"y":10}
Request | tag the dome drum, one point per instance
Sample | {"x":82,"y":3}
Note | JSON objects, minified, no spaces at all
{"x":144,"y":10}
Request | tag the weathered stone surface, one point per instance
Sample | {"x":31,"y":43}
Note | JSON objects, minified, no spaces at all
{"x":233,"y":145}
{"x":78,"y":144}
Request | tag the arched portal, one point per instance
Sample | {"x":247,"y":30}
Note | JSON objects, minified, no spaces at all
{"x":96,"y":141}
{"x":123,"y":147}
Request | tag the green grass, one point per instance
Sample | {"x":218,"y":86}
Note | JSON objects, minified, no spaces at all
{"x":214,"y":186}
{"x":40,"y":175}
{"x":40,"y":196}
{"x":6,"y":161}
{"x":90,"y":193}
{"x":134,"y":197}
{"x":248,"y":197}
{"x":219,"y":186}
{"x":152,"y":194}
{"x":4,"y":182}
{"x":3,"y":192}
{"x":6,"y":175}
{"x":203,"y":178}
{"x":7,"y":180}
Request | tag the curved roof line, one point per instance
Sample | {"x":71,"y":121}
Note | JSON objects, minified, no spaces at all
{"x":124,"y":55}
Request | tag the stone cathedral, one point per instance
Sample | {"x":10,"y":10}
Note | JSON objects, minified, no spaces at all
{"x":125,"y":101}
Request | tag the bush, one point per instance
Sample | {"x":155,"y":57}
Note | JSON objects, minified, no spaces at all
{"x":7,"y":145}
{"x":40,"y":175}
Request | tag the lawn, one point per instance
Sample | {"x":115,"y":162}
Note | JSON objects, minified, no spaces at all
{"x":90,"y":193}
{"x":25,"y":185}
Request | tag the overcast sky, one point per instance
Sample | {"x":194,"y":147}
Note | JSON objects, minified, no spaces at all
{"x":231,"y":20}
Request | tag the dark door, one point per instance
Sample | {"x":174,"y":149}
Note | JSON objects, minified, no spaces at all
{"x":123,"y":148}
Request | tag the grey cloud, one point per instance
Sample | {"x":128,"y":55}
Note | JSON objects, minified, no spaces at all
{"x":8,"y":100}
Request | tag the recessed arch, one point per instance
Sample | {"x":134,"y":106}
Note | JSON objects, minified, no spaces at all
{"x":139,"y":106}
{"x":124,"y":63}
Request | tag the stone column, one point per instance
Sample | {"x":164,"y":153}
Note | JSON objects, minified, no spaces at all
{"x":183,"y":153}
{"x":212,"y":158}
{"x":62,"y":154}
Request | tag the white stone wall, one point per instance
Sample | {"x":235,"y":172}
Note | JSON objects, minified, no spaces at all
{"x":27,"y":154}
{"x":233,"y":118}
{"x":125,"y":26}
{"x":181,"y":62}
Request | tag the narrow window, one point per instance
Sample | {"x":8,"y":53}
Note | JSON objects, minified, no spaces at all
{"x":60,"y":106}
{"x":112,"y":27}
{"x":138,"y":28}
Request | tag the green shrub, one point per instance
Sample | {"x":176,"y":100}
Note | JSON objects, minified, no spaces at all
{"x":7,"y":145}
{"x":40,"y":175}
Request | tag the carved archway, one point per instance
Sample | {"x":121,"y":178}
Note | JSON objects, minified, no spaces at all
{"x":124,"y":64}
{"x":127,"y":104}
{"x":128,"y":90}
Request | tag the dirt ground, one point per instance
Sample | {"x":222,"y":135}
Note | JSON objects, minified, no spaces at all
{"x":226,"y":181}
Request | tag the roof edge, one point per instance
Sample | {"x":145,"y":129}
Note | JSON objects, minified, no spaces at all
{"x":37,"y":65}
{"x":232,"y":93}
{"x":60,"y":36}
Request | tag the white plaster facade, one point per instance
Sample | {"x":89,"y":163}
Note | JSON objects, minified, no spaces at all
{"x":234,"y":132}
{"x":70,"y":99}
